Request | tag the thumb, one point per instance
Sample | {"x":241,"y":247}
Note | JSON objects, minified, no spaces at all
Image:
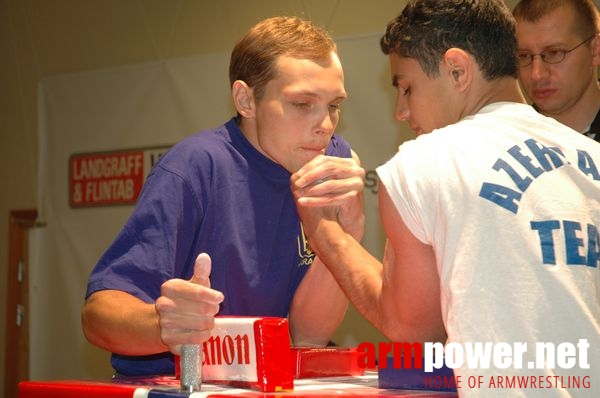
{"x":202,"y":267}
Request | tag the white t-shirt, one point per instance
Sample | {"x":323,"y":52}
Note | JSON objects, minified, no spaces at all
{"x":510,"y":202}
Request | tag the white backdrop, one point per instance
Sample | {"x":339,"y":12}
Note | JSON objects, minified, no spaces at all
{"x":156,"y":105}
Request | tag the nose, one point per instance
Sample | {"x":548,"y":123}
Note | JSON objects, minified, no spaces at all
{"x":539,"y":68}
{"x":401,"y":113}
{"x":328,"y":123}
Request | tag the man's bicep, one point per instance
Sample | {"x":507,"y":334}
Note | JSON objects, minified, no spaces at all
{"x":411,"y":286}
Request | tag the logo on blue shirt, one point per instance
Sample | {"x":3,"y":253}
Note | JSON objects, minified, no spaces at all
{"x":307,"y":256}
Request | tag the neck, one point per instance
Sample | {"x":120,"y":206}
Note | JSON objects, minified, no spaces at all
{"x":580,"y":115}
{"x":505,"y":89}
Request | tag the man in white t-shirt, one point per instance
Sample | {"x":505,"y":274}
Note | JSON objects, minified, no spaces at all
{"x":492,"y":213}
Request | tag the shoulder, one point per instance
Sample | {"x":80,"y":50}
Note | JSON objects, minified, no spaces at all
{"x":198,"y":150}
{"x":339,"y":147}
{"x":206,"y":141}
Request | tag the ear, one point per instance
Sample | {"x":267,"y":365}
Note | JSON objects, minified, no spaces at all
{"x":243,"y":99}
{"x":595,"y":47}
{"x":458,"y":65}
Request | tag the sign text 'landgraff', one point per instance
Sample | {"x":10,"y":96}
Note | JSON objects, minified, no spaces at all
{"x":109,"y":178}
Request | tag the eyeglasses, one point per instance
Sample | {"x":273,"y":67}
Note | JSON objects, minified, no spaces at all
{"x":551,"y":56}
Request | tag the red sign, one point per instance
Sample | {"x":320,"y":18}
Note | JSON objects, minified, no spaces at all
{"x":109,"y":178}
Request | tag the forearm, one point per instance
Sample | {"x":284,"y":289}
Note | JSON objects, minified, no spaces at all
{"x":358,"y":273}
{"x":120,"y":323}
{"x":381,"y":297}
{"x":318,"y":307}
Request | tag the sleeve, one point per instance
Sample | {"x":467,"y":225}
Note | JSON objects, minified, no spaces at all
{"x":339,"y":147}
{"x":156,"y":242}
{"x":410,"y":179}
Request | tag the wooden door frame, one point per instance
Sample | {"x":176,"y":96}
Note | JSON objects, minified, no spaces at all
{"x":16,"y":360}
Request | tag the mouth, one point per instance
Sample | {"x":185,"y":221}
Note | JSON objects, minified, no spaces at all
{"x":417,"y":130}
{"x":316,"y":150}
{"x":543,"y":93}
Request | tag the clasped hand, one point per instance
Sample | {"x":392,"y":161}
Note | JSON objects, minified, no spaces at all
{"x":332,"y":188}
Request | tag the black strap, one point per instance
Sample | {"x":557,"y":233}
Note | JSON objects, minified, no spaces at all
{"x":595,"y":128}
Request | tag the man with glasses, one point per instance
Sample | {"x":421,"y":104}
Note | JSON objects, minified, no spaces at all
{"x":559,"y":55}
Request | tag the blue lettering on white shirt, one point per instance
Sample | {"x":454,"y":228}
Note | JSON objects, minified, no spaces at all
{"x":581,"y":243}
{"x":586,"y":165}
{"x":543,"y":159}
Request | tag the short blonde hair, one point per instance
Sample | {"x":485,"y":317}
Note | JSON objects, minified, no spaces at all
{"x":253,"y":57}
{"x":588,"y":17}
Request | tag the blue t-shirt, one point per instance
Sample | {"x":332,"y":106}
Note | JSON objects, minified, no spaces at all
{"x":213,"y":192}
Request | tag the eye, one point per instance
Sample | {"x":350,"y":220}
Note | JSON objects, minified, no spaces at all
{"x":401,"y":90}
{"x":335,"y":107}
{"x":553,"y":55}
{"x":301,"y":104}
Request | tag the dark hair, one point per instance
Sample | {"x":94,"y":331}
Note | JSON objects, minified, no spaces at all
{"x":426,"y":29}
{"x":588,"y":18}
{"x":253,"y":57}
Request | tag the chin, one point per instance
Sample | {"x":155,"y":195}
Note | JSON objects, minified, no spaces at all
{"x":292,"y":168}
{"x":547,"y":107}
